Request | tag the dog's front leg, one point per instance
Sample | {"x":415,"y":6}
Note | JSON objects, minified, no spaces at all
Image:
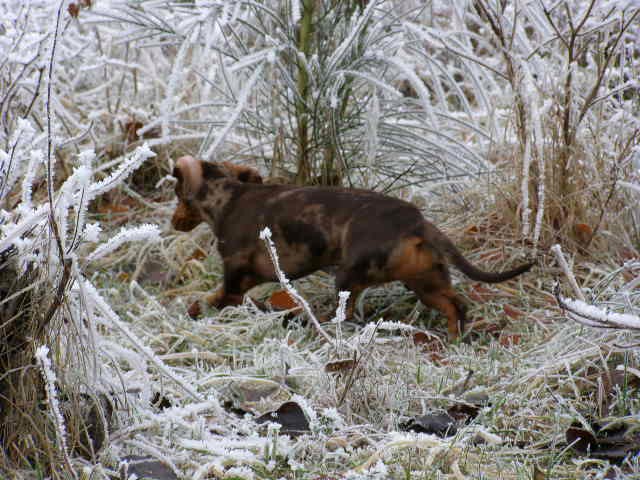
{"x":220,"y":299}
{"x":238,"y":279}
{"x":345,"y":282}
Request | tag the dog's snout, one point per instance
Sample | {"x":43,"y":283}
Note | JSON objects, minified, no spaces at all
{"x":184,"y":218}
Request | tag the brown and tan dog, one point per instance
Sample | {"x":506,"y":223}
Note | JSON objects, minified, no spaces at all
{"x":371,"y":238}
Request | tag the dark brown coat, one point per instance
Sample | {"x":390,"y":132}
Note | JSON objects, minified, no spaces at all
{"x":371,"y":238}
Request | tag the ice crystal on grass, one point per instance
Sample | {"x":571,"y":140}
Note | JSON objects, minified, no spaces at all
{"x":148,"y":233}
{"x":42,"y":357}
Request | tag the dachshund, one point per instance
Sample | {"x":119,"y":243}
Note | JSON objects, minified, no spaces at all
{"x":370,"y":238}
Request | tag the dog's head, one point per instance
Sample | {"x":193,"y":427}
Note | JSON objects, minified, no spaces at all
{"x":193,"y":175}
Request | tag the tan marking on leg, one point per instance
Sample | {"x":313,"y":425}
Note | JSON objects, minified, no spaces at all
{"x":445,"y":302}
{"x":213,"y":299}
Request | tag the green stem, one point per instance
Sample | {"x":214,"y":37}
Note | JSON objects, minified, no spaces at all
{"x":304,"y":46}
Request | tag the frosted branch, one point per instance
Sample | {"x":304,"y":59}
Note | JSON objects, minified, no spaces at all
{"x":557,"y":251}
{"x":592,"y":316}
{"x":148,"y":232}
{"x":265,"y":235}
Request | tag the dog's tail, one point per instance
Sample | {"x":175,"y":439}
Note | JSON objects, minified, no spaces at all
{"x":475,"y":273}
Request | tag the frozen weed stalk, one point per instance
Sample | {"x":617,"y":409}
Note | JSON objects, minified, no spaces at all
{"x":265,"y":235}
{"x":42,"y":356}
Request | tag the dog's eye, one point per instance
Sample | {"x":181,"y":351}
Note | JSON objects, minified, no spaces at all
{"x":244,"y":177}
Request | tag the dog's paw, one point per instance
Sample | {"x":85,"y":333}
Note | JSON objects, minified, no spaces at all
{"x":195,"y":310}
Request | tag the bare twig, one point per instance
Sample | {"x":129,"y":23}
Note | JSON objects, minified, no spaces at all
{"x":557,"y":251}
{"x":50,"y":148}
{"x":265,"y":235}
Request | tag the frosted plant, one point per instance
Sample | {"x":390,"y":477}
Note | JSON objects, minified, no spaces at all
{"x":341,"y":315}
{"x":288,"y":83}
{"x":265,"y":235}
{"x":42,"y":357}
{"x":127,"y":234}
{"x":593,"y":316}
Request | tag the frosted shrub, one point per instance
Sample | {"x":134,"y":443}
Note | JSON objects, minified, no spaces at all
{"x":46,"y":244}
{"x":321,"y":92}
{"x":571,"y":71}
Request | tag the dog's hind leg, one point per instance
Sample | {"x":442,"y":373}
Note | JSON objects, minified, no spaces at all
{"x":448,"y":302}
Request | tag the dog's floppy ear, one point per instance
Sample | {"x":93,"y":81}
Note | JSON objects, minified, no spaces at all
{"x":242,"y":173}
{"x":188,"y":171}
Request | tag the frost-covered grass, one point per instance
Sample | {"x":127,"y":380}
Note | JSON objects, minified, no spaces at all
{"x":514,"y":128}
{"x":536,"y":374}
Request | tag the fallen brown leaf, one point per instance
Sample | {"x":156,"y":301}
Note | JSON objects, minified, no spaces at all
{"x":281,"y":300}
{"x":512,"y":312}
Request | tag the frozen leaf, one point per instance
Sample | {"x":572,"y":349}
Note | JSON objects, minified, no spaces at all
{"x":512,"y":312}
{"x":198,"y":254}
{"x":472,"y":230}
{"x":538,"y":474}
{"x":282,"y":300}
{"x":74,"y":10}
{"x":146,"y":467}
{"x":161,"y":402}
{"x":427,"y":339}
{"x":420,"y":338}
{"x":254,"y":390}
{"x":256,"y":395}
{"x":340,"y":365}
{"x":480,"y":293}
{"x":485,"y":326}
{"x":440,"y":424}
{"x":509,"y":339}
{"x":464,"y":412}
{"x":336,"y":443}
{"x":290,"y":416}
{"x":134,"y":130}
{"x":581,"y":439}
{"x":611,"y":441}
{"x":112,"y":208}
{"x":583,"y":232}
{"x":131,"y":129}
